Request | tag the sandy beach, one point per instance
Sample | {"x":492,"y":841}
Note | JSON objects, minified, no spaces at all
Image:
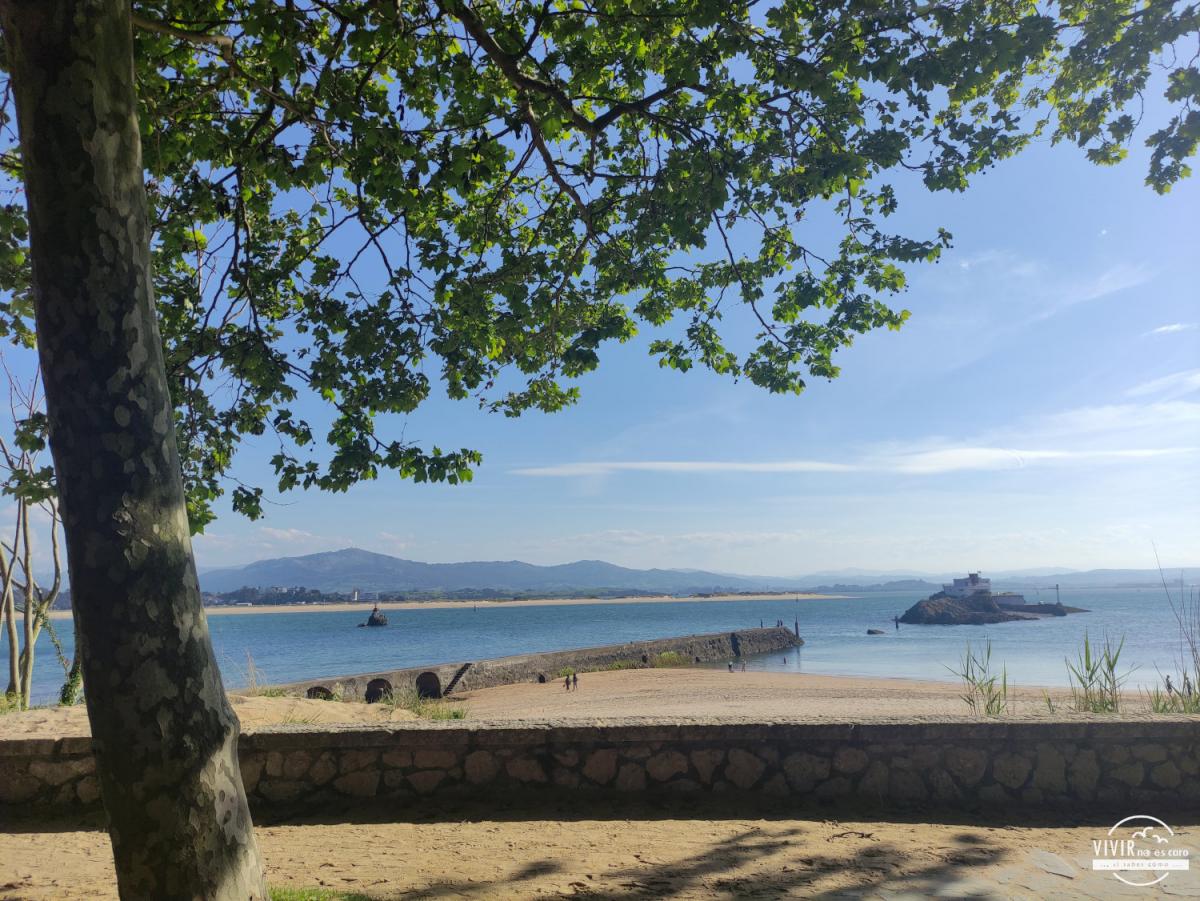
{"x":364,"y":606}
{"x":707,"y":849}
{"x":671,"y":849}
{"x":684,"y":693}
{"x":696,"y":692}
{"x":254,"y":712}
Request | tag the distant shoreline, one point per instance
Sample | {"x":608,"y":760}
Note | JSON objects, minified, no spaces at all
{"x":364,"y":606}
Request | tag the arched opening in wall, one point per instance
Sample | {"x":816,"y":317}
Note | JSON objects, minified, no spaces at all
{"x":541,"y":678}
{"x":378,"y":690}
{"x":645,"y":659}
{"x":429,"y":685}
{"x":319,"y":693}
{"x":697,"y":659}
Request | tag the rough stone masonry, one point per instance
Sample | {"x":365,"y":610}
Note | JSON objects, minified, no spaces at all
{"x":1087,"y":763}
{"x":465,"y":676}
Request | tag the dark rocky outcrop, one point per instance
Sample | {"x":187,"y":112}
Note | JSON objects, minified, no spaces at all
{"x":876,"y":632}
{"x":974,"y":610}
{"x":376,"y":618}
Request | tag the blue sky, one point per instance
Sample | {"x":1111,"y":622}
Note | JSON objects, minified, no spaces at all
{"x":1041,"y":408}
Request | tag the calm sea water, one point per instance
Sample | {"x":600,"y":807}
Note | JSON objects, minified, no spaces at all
{"x":287,"y":647}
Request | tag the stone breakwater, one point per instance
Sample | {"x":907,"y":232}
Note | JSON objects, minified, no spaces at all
{"x":437,"y":680}
{"x":1087,"y":764}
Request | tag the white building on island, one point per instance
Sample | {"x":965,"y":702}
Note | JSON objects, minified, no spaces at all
{"x":972,"y":584}
{"x":975,"y":584}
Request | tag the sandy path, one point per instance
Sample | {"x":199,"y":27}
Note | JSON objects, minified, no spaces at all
{"x":55,"y":722}
{"x":716,"y":692}
{"x":582,"y":849}
{"x":361,"y":606}
{"x":687,"y":692}
{"x":638,"y":852}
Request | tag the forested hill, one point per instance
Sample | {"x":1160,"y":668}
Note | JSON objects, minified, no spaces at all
{"x":345,"y":570}
{"x":354,"y":568}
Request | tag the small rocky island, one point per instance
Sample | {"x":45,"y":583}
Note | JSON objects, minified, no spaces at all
{"x":971,"y":602}
{"x":376,"y":618}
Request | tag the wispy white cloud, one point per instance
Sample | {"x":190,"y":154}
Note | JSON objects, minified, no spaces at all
{"x":391,"y":543}
{"x":286,"y":534}
{"x":264,"y":541}
{"x":961,"y":459}
{"x":1002,"y":261}
{"x":641,"y":539}
{"x":682,"y":466}
{"x":1132,"y":419}
{"x":1120,"y":277}
{"x":1030,"y":280}
{"x":1177,"y":384}
{"x":1113,"y":280}
{"x":929,"y":462}
{"x":1173,"y":328}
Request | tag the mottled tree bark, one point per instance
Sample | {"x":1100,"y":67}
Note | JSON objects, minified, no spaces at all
{"x":164,"y":733}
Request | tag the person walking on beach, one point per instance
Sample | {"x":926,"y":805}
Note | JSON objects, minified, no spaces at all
{"x":743,"y":666}
{"x":567,"y":683}
{"x":731,"y":666}
{"x":575,"y":681}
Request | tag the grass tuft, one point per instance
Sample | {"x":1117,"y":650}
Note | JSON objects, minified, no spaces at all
{"x":426,"y":708}
{"x":669,"y":658}
{"x":1096,"y":685}
{"x":317,"y":894}
{"x":985,"y":692}
{"x":623,"y":664}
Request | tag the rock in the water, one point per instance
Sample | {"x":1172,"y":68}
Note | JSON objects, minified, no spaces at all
{"x":940,"y":610}
{"x":876,"y":632}
{"x":376,"y":618}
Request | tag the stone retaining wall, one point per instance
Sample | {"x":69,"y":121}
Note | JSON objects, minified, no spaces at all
{"x":1089,"y":764}
{"x":547,"y":667}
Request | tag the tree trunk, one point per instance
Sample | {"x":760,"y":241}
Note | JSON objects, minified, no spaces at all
{"x":30,"y":608}
{"x":8,"y":574}
{"x":164,"y":734}
{"x":69,"y":693}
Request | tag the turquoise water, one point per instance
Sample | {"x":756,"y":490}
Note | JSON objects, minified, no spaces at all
{"x":287,"y":647}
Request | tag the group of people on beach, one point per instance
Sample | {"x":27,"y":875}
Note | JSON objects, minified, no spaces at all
{"x":571,"y":682}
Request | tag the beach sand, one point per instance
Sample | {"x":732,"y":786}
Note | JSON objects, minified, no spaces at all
{"x":707,"y":849}
{"x":685,"y":692}
{"x":57,"y":722}
{"x":700,"y":692}
{"x":362,"y":606}
{"x":579,"y":849}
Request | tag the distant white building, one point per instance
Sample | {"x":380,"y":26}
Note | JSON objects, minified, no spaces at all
{"x":972,"y":584}
{"x":975,"y":584}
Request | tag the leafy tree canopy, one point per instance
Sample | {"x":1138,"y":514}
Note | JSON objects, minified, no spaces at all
{"x":359,"y":199}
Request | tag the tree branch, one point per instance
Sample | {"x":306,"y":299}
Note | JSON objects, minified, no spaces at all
{"x":552,"y":168}
{"x":507,"y":63}
{"x":225,"y":45}
{"x":221,"y":41}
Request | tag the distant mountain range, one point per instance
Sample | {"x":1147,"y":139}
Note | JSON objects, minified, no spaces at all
{"x":344,"y":570}
{"x":354,"y":568}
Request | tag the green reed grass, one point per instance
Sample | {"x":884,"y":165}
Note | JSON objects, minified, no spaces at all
{"x":1096,"y":683}
{"x":984,"y":691}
